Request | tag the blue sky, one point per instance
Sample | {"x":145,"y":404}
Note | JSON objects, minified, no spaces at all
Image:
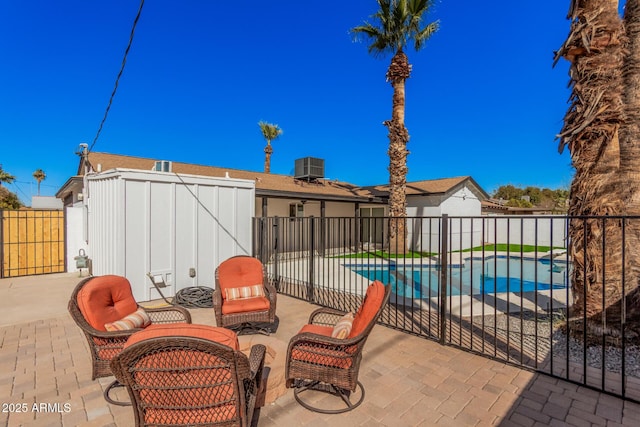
{"x":483,"y":99}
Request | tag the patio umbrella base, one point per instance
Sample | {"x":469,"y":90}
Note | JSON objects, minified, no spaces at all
{"x":108,"y":398}
{"x":317,"y":386}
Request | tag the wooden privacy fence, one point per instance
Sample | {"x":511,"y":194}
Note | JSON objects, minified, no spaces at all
{"x":32,"y":242}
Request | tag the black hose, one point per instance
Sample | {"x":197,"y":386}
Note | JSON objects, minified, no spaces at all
{"x":194,"y":297}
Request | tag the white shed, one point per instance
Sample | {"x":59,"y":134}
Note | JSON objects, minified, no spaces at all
{"x":176,"y":226}
{"x":456,"y":197}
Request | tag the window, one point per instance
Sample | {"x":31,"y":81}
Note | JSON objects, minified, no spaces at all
{"x":162,"y":166}
{"x":296,"y":210}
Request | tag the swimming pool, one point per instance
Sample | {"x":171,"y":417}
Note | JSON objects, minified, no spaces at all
{"x":476,"y":276}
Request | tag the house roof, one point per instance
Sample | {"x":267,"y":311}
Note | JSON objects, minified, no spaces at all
{"x":276,"y":185}
{"x":495,"y":206}
{"x":73,"y":183}
{"x":272,"y":185}
{"x":434,"y":187}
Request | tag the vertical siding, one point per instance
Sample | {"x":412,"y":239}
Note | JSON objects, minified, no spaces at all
{"x":161,"y":223}
{"x":105,"y":210}
{"x":136,"y":236}
{"x":186,"y":226}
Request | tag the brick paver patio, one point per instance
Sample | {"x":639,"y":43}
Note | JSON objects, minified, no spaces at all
{"x":45,"y":376}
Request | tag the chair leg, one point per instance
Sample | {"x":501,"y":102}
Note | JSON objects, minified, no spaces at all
{"x":108,"y":398}
{"x":345,"y":395}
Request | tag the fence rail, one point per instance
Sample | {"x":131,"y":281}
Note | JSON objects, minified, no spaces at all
{"x":32,"y":242}
{"x":496,"y":286}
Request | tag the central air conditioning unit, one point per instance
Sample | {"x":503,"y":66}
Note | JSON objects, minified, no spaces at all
{"x":309,"y":168}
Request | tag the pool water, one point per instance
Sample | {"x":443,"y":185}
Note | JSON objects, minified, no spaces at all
{"x":476,"y":277}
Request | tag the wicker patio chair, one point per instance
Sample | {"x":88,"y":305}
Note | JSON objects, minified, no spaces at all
{"x":190,"y":375}
{"x":98,"y":300}
{"x":244,"y":300}
{"x":317,"y":361}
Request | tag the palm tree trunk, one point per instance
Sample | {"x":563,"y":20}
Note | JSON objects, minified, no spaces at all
{"x":398,"y":72}
{"x":630,"y":162}
{"x":590,"y":131}
{"x":268,"y":150}
{"x":630,"y":129}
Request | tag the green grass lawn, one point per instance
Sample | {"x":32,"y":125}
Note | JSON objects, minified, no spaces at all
{"x":503,"y":247}
{"x":386,"y":255}
{"x":500,"y":247}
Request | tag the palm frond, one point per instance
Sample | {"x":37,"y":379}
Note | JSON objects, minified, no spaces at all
{"x":395,"y":24}
{"x":425,"y":34}
{"x":270,"y":131}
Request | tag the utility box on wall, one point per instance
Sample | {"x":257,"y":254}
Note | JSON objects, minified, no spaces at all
{"x":169,"y":225}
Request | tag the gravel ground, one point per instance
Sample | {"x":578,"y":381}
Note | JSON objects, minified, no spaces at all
{"x":524,"y":328}
{"x":612,"y":356}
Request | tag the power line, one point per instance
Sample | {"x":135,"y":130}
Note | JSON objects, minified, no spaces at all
{"x":20,"y":190}
{"x":35,"y":182}
{"x":115,"y":88}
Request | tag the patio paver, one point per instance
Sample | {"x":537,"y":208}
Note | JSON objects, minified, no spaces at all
{"x":44,"y":360}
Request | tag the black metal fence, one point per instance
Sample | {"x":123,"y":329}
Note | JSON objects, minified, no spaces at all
{"x":499,"y":286}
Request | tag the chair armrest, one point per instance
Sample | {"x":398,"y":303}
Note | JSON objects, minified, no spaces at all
{"x":114,"y":335}
{"x":268,"y":285}
{"x":217,"y":304}
{"x":309,"y":338}
{"x":217,"y":296}
{"x":253,"y":384}
{"x":325,"y":316}
{"x":256,"y":361}
{"x":271,"y":291}
{"x":173,"y":314}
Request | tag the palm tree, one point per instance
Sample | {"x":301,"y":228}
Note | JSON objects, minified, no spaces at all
{"x":397,"y":23}
{"x":630,"y":128}
{"x":630,"y":166}
{"x":595,"y":49}
{"x":270,"y":132}
{"x":6,"y":177}
{"x":39,"y":176}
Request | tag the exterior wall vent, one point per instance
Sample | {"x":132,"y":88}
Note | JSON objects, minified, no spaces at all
{"x":309,"y":168}
{"x":162,"y":166}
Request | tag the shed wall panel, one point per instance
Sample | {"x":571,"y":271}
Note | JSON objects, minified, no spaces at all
{"x":164,"y":224}
{"x":186,"y":226}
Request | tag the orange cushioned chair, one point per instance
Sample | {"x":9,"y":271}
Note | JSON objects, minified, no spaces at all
{"x":98,"y":301}
{"x":244,"y":299}
{"x":186,"y":375}
{"x":318,"y":361}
